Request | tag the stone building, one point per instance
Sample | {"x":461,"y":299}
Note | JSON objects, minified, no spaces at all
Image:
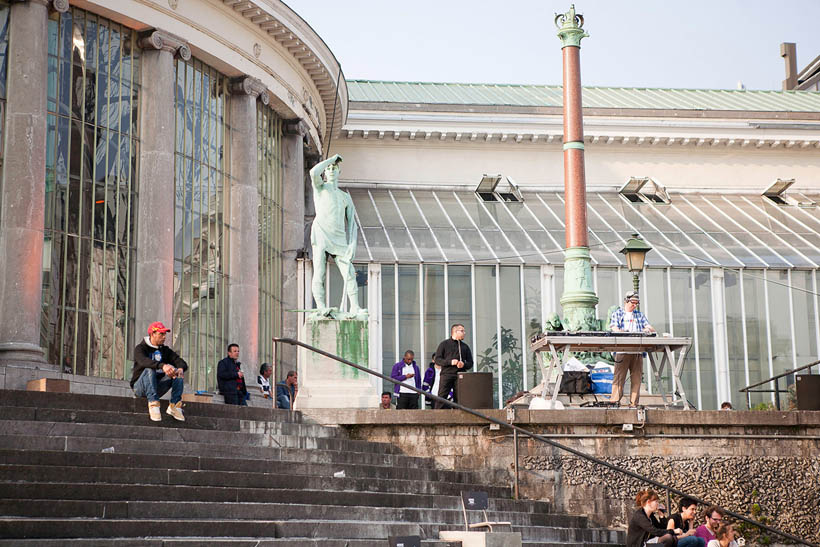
{"x":723,"y":185}
{"x":153,"y":169}
{"x":154,"y":156}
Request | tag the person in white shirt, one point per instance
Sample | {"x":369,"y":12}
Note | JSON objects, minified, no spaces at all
{"x":263,"y":380}
{"x":628,"y":319}
{"x":407,"y":372}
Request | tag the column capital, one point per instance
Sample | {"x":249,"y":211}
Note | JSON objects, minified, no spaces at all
{"x":60,"y":6}
{"x":570,"y":28}
{"x":246,"y":85}
{"x":294,"y":127}
{"x":160,"y":40}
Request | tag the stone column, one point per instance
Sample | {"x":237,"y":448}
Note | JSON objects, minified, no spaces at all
{"x":154,"y":282}
{"x":293,"y":234}
{"x":243,"y":261}
{"x":22,"y":201}
{"x":578,"y":300}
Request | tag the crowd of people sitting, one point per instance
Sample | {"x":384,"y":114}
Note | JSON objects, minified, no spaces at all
{"x":650,"y":524}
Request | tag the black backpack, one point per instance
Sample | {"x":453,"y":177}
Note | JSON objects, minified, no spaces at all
{"x":576,"y":382}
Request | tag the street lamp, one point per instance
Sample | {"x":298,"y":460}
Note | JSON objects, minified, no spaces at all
{"x":635,"y":251}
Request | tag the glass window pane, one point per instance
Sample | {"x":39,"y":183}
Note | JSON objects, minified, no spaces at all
{"x":734,"y":336}
{"x":683,"y":324}
{"x":533,"y":321}
{"x":486,"y":324}
{"x":778,"y":285}
{"x":460,"y":299}
{"x":511,"y":340}
{"x":409,"y":309}
{"x":805,"y":325}
{"x":706,"y":340}
{"x":754,"y":298}
{"x":435,"y":327}
{"x":655,"y":305}
{"x":388,"y":323}
{"x":607,"y":291}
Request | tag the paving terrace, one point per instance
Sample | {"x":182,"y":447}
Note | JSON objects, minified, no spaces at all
{"x":95,"y":471}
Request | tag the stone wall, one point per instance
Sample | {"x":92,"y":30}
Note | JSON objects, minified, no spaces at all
{"x":761,"y":464}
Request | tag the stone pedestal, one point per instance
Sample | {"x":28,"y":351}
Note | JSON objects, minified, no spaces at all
{"x":325,"y":383}
{"x":483,"y":539}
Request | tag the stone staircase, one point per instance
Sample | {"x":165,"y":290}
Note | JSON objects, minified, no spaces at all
{"x":95,"y":471}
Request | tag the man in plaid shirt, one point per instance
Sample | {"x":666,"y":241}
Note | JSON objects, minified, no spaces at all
{"x":628,"y":319}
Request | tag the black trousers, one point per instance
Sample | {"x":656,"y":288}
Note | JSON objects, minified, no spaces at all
{"x":408,"y":401}
{"x":446,"y":382}
{"x":235,"y":398}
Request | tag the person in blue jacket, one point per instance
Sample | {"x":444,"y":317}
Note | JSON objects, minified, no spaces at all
{"x":407,"y":372}
{"x":286,"y":391}
{"x":431,"y":380}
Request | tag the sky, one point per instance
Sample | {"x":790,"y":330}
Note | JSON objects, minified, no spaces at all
{"x":633,"y":43}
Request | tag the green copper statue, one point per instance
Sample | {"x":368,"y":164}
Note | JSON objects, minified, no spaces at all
{"x":334,"y":233}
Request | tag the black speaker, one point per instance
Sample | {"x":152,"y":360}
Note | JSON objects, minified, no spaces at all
{"x":808,"y":391}
{"x":475,"y":389}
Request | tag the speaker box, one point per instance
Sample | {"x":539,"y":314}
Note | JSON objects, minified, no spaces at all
{"x":475,"y":389}
{"x":808,"y":391}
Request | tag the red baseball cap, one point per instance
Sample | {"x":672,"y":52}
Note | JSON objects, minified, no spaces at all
{"x":156,"y":326}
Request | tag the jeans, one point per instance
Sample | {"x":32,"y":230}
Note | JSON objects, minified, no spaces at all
{"x":154,"y":384}
{"x":691,"y":541}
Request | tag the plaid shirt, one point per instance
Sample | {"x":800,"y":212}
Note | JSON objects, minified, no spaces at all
{"x":618,"y":320}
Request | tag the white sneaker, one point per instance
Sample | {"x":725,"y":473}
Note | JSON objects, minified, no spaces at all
{"x":175,"y":410}
{"x":154,"y":412}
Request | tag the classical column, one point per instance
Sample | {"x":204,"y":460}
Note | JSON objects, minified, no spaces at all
{"x":293,"y":236}
{"x":22,"y":201}
{"x":243,"y":262}
{"x":154,"y":282}
{"x":578,"y":300}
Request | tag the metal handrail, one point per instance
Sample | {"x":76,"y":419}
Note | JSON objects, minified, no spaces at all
{"x":545,"y":440}
{"x":777,"y":391}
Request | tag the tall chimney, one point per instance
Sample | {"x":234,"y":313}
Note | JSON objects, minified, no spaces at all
{"x":579,"y":299}
{"x":788,"y":51}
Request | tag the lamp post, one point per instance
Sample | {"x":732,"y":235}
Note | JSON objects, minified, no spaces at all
{"x":635,"y":251}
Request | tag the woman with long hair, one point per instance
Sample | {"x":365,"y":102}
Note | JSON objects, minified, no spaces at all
{"x":642,"y":525}
{"x":725,"y":537}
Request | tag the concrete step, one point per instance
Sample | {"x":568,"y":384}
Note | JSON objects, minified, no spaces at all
{"x":79,"y":401}
{"x":27,"y":528}
{"x":40,"y":508}
{"x":190,"y":477}
{"x":230,"y":494}
{"x":222,"y":542}
{"x":149,"y":432}
{"x":183,"y":448}
{"x":107,"y":459}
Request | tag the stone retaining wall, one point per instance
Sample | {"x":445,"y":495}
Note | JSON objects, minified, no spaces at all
{"x":762,"y":464}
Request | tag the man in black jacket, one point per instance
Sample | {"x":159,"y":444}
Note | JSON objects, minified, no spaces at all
{"x":453,"y":356}
{"x":230,"y":378}
{"x":158,"y":368}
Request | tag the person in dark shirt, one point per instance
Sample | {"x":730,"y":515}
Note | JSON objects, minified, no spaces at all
{"x":642,"y":526}
{"x":453,"y":356}
{"x":158,"y":368}
{"x":230,"y":379}
{"x":685,"y":521}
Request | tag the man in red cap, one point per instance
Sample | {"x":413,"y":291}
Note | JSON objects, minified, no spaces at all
{"x":158,"y":368}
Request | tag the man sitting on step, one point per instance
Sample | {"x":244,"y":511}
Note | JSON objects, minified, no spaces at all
{"x":158,"y":368}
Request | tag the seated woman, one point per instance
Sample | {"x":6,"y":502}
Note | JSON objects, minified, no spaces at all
{"x":725,"y":537}
{"x":641,"y":525}
{"x":685,"y":521}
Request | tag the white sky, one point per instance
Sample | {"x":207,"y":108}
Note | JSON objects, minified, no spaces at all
{"x":634,"y":43}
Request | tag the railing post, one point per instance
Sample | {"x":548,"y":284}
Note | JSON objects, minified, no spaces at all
{"x":777,"y":393}
{"x":515,"y":460}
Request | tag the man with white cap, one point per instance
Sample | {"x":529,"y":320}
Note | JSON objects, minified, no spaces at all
{"x":158,"y":368}
{"x":628,"y":319}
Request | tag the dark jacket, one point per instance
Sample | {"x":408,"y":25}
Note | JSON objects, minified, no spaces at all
{"x":148,"y":356}
{"x":284,"y":395}
{"x":397,"y":375}
{"x":453,"y":349}
{"x":429,"y":380}
{"x":641,"y":528}
{"x":227,"y":377}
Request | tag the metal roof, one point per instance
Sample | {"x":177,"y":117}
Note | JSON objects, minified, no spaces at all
{"x":593,"y":97}
{"x":458,"y":227}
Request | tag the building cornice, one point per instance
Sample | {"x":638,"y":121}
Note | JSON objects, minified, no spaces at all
{"x":288,"y":29}
{"x":480,"y":128}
